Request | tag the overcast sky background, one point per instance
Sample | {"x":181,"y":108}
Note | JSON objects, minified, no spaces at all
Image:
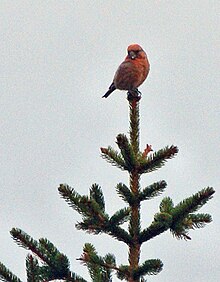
{"x":57,"y":60}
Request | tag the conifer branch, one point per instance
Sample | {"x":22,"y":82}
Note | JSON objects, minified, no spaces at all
{"x":90,"y":227}
{"x":183,"y":219}
{"x":161,"y":223}
{"x":58,"y":263}
{"x":27,"y":242}
{"x":123,"y":272}
{"x":114,"y":231}
{"x":198,"y":220}
{"x":157,"y":159}
{"x":193,"y":203}
{"x":149,"y":267}
{"x":97,"y":195}
{"x":100,"y":268}
{"x":166,"y":205}
{"x":88,"y":208}
{"x":125,"y":193}
{"x":126,"y":151}
{"x":153,"y":190}
{"x":113,"y":157}
{"x":94,"y":219}
{"x":119,"y":233}
{"x":180,"y":229}
{"x":32,"y":269}
{"x":120,"y":217}
{"x":179,"y":219}
{"x":6,"y":275}
{"x":55,"y":264}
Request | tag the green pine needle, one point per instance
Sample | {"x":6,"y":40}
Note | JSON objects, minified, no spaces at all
{"x":183,"y":217}
{"x":97,"y":195}
{"x":157,"y":159}
{"x":149,"y":267}
{"x":126,"y":151}
{"x":199,"y":220}
{"x":27,"y":242}
{"x":6,"y":275}
{"x":33,"y":269}
{"x":55,"y":264}
{"x":180,"y":228}
{"x":153,"y":190}
{"x":166,"y":205}
{"x":123,"y":272}
{"x":125,"y":193}
{"x":55,"y":260}
{"x":119,"y":233}
{"x":88,"y":208}
{"x":160,"y":224}
{"x":90,"y":226}
{"x":194,"y":202}
{"x":113,"y":157}
{"x":71,"y":197}
{"x":100,"y":268}
{"x":23,"y":239}
{"x":120,"y":217}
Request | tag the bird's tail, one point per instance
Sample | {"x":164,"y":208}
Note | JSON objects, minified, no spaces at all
{"x":111,"y":89}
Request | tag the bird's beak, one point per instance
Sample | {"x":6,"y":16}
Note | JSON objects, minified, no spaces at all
{"x":132,"y":55}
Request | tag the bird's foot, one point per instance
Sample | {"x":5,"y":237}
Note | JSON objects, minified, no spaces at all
{"x":134,"y":94}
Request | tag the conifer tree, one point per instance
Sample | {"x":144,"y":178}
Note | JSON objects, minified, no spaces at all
{"x":44,"y":261}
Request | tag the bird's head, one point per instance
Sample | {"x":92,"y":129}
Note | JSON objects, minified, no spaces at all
{"x":135,"y":51}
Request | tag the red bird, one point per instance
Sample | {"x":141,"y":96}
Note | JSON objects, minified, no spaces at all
{"x":132,"y":72}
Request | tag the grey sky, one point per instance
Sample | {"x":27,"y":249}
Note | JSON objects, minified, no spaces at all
{"x":57,"y":60}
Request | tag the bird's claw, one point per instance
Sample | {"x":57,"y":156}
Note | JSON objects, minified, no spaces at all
{"x":134,"y":94}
